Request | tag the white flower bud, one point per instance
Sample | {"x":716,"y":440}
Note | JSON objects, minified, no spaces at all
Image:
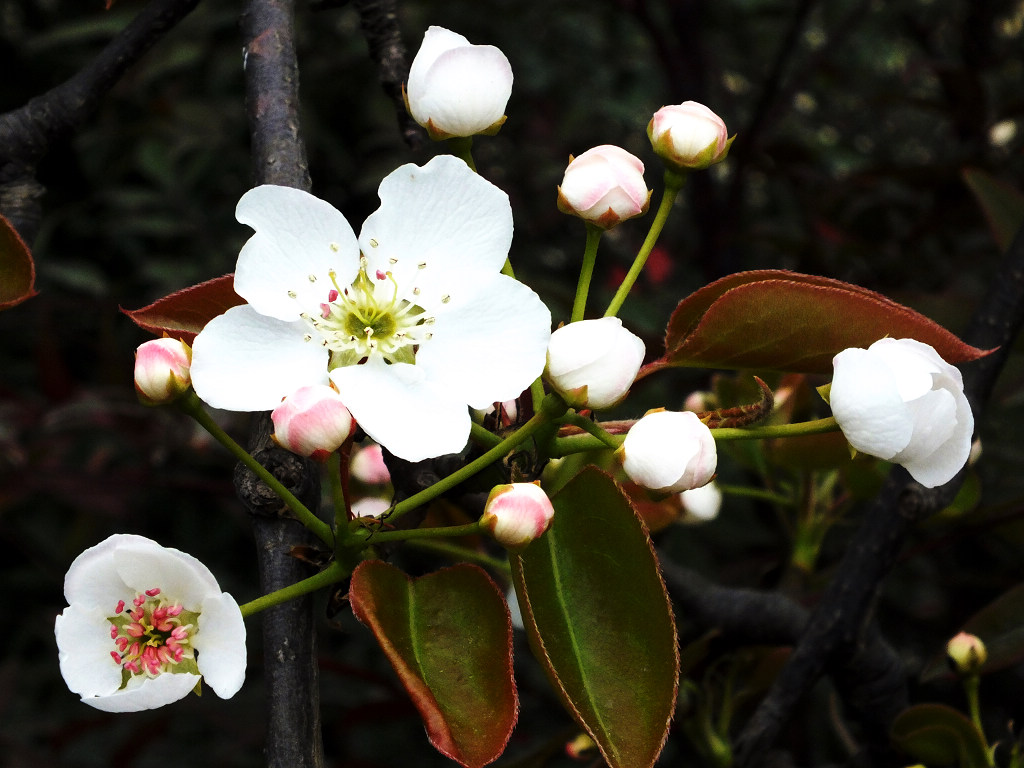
{"x":368,"y":465}
{"x":701,"y":504}
{"x":605,"y":185}
{"x":517,"y":513}
{"x":967,"y":653}
{"x":457,"y":89}
{"x":312,"y":421}
{"x":162,"y":371}
{"x":900,"y":401}
{"x":669,"y":451}
{"x":592,"y":363}
{"x":688,"y":136}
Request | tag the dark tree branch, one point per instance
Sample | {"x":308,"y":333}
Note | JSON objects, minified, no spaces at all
{"x":289,"y":639}
{"x":27,"y":133}
{"x":837,"y":626}
{"x":379,"y":22}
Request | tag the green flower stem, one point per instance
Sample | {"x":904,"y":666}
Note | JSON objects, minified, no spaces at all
{"x":463,"y":554}
{"x":756,"y":493}
{"x":673,"y":183}
{"x":462,"y":148}
{"x":337,"y":492}
{"x":579,"y":306}
{"x":972,"y":683}
{"x":387,"y":537}
{"x":193,"y":406}
{"x":592,"y":428}
{"x":551,"y":408}
{"x":334,"y":573}
{"x":537,"y":393}
{"x":483,"y":436}
{"x":564,"y":446}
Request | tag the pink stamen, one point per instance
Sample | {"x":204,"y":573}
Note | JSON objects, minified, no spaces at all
{"x":113,"y":631}
{"x":115,"y":656}
{"x":153,"y":592}
{"x":325,"y":311}
{"x":120,"y":606}
{"x":382,"y":275}
{"x":138,"y":601}
{"x":332,"y":295}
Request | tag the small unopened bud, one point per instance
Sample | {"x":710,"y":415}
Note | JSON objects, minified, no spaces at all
{"x":592,"y":363}
{"x":605,"y":186}
{"x":967,"y":653}
{"x":517,"y":513}
{"x":689,"y":136}
{"x":580,"y":748}
{"x":162,"y":371}
{"x":701,"y":504}
{"x":669,"y":451}
{"x":312,"y":421}
{"x":368,"y":465}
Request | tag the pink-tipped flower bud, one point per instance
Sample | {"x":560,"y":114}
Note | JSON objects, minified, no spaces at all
{"x":517,"y":513}
{"x":669,"y":451}
{"x":592,"y":363}
{"x":368,"y":465}
{"x":689,"y":136}
{"x":457,"y":89}
{"x":312,"y":421}
{"x":162,"y":371}
{"x":605,"y":185}
{"x":967,"y":653}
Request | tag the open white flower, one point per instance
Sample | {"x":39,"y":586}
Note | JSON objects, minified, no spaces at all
{"x":899,"y":400}
{"x":143,"y":624}
{"x":412,"y":322}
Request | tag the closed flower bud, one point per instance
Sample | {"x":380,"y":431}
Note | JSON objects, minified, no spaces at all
{"x":457,"y":89}
{"x":605,"y":185}
{"x":592,"y":363}
{"x":669,"y":451}
{"x":368,"y":466}
{"x":517,"y":513}
{"x":967,"y":653}
{"x":701,"y":504}
{"x":898,"y":400}
{"x":312,"y":421}
{"x":689,"y":136}
{"x":162,"y":371}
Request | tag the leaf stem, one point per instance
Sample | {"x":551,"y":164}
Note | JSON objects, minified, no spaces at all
{"x":193,"y":406}
{"x":673,"y":183}
{"x":593,"y":428}
{"x":334,"y":573}
{"x":464,"y":554}
{"x":469,"y":529}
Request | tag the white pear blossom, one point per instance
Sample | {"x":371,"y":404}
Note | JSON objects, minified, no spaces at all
{"x":412,"y":322}
{"x":143,"y":624}
{"x":669,"y":452}
{"x":605,"y":186}
{"x":900,"y":401}
{"x":456,"y":88}
{"x":592,"y":363}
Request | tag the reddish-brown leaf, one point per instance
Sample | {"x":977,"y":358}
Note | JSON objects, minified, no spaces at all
{"x":17,"y":270}
{"x":786,"y":321}
{"x":184,"y":313}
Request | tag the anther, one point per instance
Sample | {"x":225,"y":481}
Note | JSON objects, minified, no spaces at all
{"x":373,"y":243}
{"x":421,"y":265}
{"x":292,"y":295}
{"x":445,"y":299}
{"x":312,"y":278}
{"x":334,"y":247}
{"x":392,"y":260}
{"x":382,"y":275}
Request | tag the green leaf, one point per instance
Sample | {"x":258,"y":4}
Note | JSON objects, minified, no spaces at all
{"x":17,"y":270}
{"x":937,"y":735}
{"x":1000,"y":625}
{"x":785,"y":321}
{"x":185,"y":313}
{"x":599,"y":619}
{"x":449,"y":638}
{"x":1002,"y":204}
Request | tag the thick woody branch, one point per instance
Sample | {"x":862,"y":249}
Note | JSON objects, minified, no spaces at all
{"x":837,"y":626}
{"x":27,"y":133}
{"x":279,"y":157}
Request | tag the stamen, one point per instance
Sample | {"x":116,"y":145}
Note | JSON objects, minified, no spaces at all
{"x":334,"y":247}
{"x":373,"y":243}
{"x":312,"y":278}
{"x":292,"y":295}
{"x":381,"y":274}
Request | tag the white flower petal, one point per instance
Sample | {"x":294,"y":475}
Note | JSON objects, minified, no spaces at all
{"x":220,"y":645}
{"x":92,"y":581}
{"x":179,"y":576}
{"x":911,"y":363}
{"x":84,"y":646}
{"x":297,"y":235}
{"x":436,"y":40}
{"x":866,"y":403}
{"x":491,"y":345}
{"x":465,"y":91}
{"x":398,"y":407}
{"x":939,"y":467}
{"x":146,"y":693}
{"x":443,"y":216}
{"x":244,"y":361}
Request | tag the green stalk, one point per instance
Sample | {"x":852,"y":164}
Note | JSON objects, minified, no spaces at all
{"x":193,"y":406}
{"x":463,"y":554}
{"x":673,"y":183}
{"x":334,"y":573}
{"x":593,"y":428}
{"x":462,"y":148}
{"x":387,"y":537}
{"x":337,"y":492}
{"x":551,"y":408}
{"x":579,"y":306}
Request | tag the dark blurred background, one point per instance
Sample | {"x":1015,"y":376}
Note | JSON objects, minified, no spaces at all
{"x":855,"y":119}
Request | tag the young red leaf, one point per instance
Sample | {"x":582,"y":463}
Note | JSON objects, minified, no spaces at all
{"x":1002,"y":204}
{"x":184,"y":313}
{"x":17,"y":270}
{"x":599,"y":619}
{"x":449,"y":638}
{"x":785,"y":321}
